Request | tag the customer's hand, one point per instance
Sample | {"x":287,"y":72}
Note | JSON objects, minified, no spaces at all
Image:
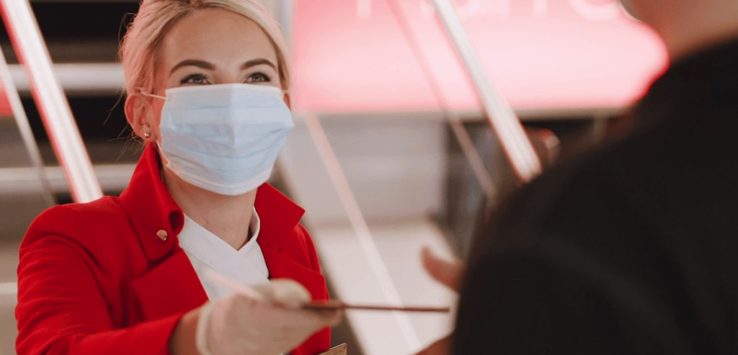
{"x":271,"y":323}
{"x":440,"y":347}
{"x":449,"y":273}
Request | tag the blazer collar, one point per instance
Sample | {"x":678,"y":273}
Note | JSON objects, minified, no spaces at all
{"x":155,"y":216}
{"x":158,"y":219}
{"x":279,"y":217}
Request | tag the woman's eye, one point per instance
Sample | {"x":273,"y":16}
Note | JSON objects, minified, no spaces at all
{"x":258,"y":78}
{"x":195,"y":79}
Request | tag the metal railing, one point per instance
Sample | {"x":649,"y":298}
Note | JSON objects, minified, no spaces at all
{"x":499,"y":114}
{"x":49,"y":97}
{"x":26,"y":133}
{"x":457,"y":128}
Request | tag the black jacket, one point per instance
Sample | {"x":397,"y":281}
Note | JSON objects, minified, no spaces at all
{"x":632,"y":249}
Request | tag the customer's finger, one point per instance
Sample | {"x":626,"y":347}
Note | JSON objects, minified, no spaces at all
{"x":447,"y":272}
{"x":439,"y":347}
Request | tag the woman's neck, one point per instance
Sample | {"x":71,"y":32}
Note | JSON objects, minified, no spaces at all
{"x":228,"y":217}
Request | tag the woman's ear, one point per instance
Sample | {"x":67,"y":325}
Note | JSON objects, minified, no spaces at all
{"x":134,"y":115}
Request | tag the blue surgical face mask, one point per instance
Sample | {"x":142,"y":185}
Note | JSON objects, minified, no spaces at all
{"x":224,"y":138}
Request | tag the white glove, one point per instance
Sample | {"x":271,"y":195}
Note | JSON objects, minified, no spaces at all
{"x":267,"y":323}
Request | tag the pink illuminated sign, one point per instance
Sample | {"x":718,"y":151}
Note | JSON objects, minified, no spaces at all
{"x":352,"y":56}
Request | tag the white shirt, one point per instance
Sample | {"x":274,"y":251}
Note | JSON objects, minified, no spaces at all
{"x":207,"y":251}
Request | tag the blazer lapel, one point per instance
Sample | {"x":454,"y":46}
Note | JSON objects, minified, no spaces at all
{"x":279,"y":217}
{"x":169,"y":288}
{"x":282,"y":267}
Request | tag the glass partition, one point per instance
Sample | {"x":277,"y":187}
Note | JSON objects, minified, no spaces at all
{"x":392,"y":145}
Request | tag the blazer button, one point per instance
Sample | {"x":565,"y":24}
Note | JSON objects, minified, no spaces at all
{"x":162,"y":235}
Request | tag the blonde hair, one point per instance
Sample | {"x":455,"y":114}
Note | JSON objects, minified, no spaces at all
{"x":139,"y":48}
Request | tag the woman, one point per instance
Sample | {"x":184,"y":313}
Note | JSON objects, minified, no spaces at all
{"x":129,"y":274}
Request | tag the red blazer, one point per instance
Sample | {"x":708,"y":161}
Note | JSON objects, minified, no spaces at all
{"x":97,"y":278}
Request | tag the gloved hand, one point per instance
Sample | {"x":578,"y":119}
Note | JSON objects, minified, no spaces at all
{"x":268,"y":322}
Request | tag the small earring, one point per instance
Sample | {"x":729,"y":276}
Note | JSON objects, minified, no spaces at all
{"x":147,"y":132}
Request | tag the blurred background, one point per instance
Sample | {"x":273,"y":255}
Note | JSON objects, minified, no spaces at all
{"x":392,"y":150}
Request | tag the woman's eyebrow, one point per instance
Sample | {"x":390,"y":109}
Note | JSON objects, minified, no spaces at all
{"x":192,"y":62}
{"x":255,"y":62}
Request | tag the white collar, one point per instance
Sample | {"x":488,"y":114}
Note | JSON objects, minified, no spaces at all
{"x":207,"y":251}
{"x":209,"y":248}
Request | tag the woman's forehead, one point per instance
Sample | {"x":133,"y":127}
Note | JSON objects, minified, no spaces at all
{"x":217,"y":36}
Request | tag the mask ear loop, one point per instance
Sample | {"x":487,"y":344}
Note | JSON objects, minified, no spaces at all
{"x":147,"y":128}
{"x":143,"y":93}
